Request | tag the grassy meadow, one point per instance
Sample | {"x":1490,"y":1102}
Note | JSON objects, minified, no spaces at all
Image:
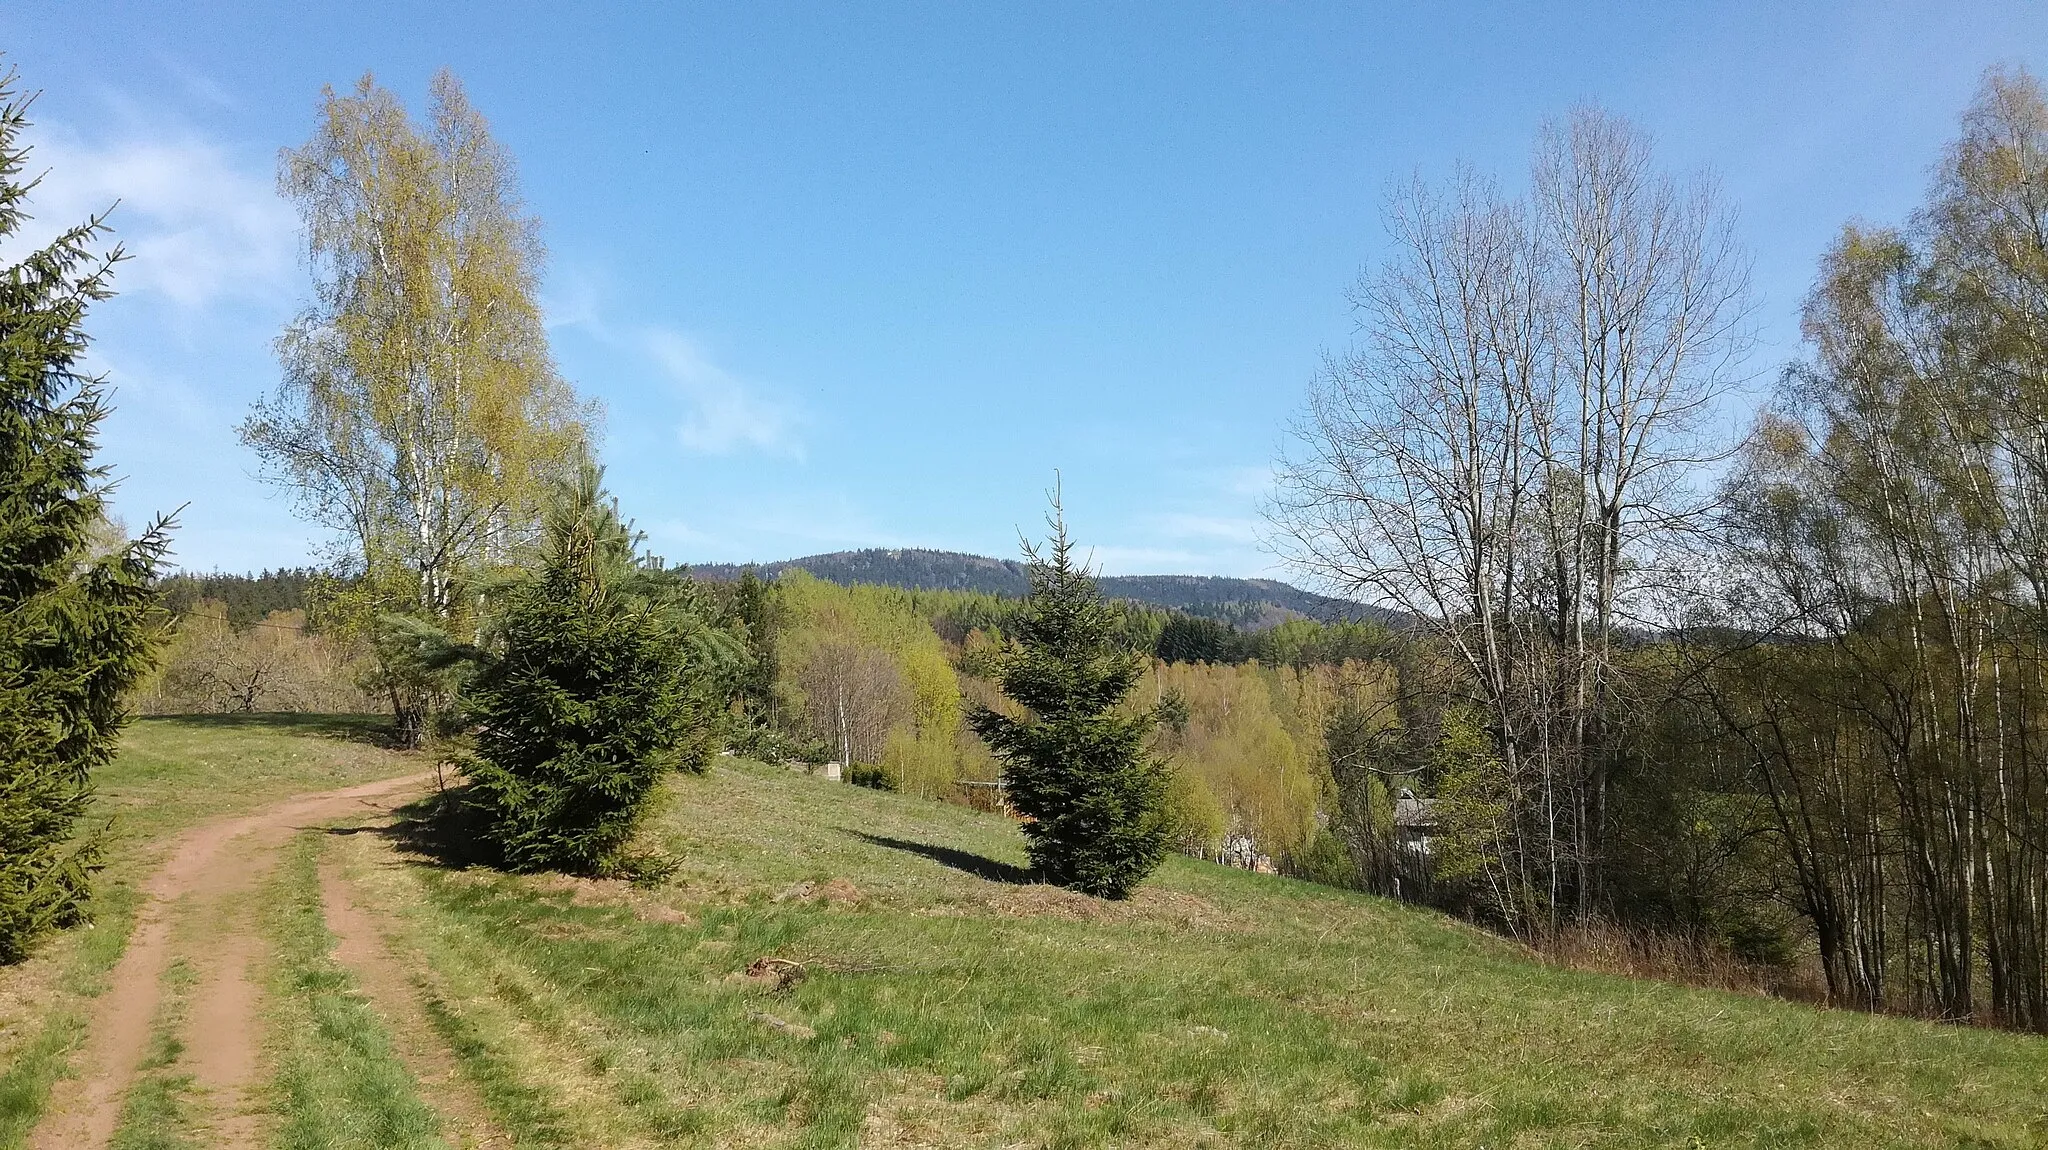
{"x":936,"y":1001}
{"x":836,"y":967}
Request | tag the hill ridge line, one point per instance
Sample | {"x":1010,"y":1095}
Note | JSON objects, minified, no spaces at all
{"x":1247,"y":602}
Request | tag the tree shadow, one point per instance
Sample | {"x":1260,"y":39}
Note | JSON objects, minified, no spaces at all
{"x":442,"y":829}
{"x":980,"y":866}
{"x":372,"y":730}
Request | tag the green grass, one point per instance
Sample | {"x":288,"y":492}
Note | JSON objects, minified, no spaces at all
{"x":179,"y":770}
{"x":339,"y":1084}
{"x":47,"y":1018}
{"x":1218,"y":1008}
{"x":171,"y":774}
{"x":158,"y":1112}
{"x":940,"y":1007}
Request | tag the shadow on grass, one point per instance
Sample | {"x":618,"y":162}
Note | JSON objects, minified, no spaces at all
{"x":980,"y":866}
{"x":372,"y":730}
{"x":440,"y":830}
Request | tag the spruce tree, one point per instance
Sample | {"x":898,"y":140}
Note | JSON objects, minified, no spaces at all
{"x":606,"y":675}
{"x":78,"y":621}
{"x":1076,"y":766}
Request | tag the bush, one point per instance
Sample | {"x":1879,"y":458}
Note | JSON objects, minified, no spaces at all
{"x":871,"y":775}
{"x":604,"y":681}
{"x":276,"y":663}
{"x":1324,"y":860}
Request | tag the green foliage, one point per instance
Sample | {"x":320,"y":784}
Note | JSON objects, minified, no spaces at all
{"x":872,"y":775}
{"x":1324,"y":860}
{"x":1300,"y":643}
{"x":241,"y":599}
{"x":1195,"y":820}
{"x":865,"y":673}
{"x":1472,"y":808}
{"x":1366,"y":746}
{"x":605,"y":678}
{"x":1172,"y":710}
{"x":1077,"y":766}
{"x":759,"y":608}
{"x":78,"y":624}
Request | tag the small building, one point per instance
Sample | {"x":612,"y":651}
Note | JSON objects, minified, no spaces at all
{"x":1414,"y":822}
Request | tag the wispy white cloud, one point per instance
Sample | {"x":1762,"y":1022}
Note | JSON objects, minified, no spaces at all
{"x":199,"y":227}
{"x":1219,"y":528}
{"x":727,"y":413}
{"x":198,"y":85}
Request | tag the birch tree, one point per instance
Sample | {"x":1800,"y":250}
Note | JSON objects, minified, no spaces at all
{"x":420,"y":415}
{"x":1891,"y":517}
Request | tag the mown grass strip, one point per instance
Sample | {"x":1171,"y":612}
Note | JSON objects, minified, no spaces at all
{"x":158,"y":1113}
{"x":509,"y":1048}
{"x":339,"y":1083}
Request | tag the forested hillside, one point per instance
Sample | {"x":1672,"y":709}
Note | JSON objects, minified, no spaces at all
{"x":1249,"y":604}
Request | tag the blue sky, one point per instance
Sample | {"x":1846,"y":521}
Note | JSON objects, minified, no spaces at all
{"x":865,"y":275}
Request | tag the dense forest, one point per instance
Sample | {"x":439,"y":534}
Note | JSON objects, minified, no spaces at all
{"x":1250,"y":604}
{"x":243,"y":599}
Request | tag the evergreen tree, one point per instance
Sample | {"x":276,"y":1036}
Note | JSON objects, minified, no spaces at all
{"x":1192,"y":639}
{"x":759,"y":609}
{"x":78,"y":620}
{"x":605,"y":678}
{"x":1076,"y":766}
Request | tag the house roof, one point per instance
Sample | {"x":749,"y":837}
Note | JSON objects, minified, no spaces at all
{"x":1414,"y":813}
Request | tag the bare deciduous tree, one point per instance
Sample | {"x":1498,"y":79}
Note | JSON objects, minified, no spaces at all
{"x":1511,"y":443}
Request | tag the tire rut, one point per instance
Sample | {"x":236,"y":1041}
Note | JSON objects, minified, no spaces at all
{"x":225,"y":1035}
{"x":364,"y":947}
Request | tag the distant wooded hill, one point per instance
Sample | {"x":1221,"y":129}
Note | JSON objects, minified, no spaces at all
{"x":1249,"y":604}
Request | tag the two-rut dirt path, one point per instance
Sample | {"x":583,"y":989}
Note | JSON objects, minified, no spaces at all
{"x":200,"y":907}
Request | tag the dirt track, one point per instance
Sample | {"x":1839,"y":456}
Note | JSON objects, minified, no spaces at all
{"x":199,"y":907}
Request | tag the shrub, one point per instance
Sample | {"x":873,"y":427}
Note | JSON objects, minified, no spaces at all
{"x":871,"y":775}
{"x":1324,"y":860}
{"x":275,"y":663}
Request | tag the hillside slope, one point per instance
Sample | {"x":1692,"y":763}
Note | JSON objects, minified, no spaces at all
{"x":838,"y":967}
{"x":1248,"y":603}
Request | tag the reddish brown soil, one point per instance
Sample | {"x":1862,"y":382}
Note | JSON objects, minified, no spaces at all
{"x":209,"y":874}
